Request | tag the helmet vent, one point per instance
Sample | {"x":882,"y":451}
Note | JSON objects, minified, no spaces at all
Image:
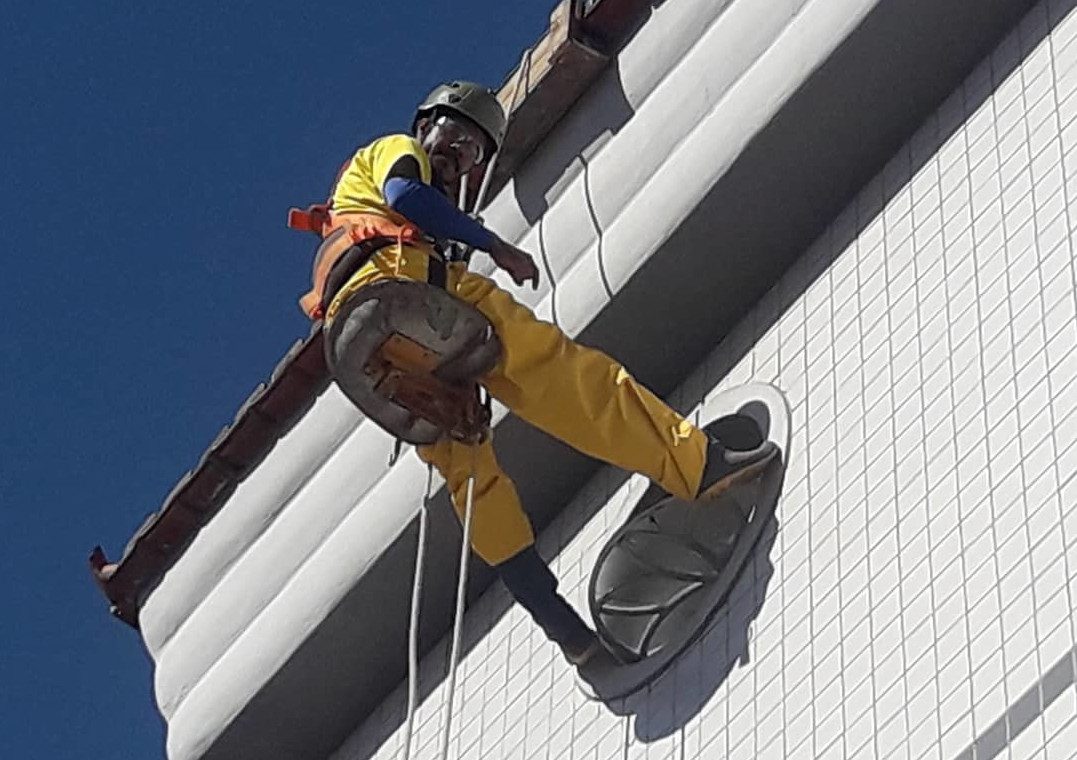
{"x":470,"y":100}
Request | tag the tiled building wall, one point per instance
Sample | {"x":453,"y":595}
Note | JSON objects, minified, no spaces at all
{"x":916,"y":598}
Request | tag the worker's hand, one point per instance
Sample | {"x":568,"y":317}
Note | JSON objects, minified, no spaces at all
{"x":518,"y":263}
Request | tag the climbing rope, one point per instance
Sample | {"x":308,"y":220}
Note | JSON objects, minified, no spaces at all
{"x":525,"y":74}
{"x":465,"y":545}
{"x":413,"y":625}
{"x":461,"y":598}
{"x":458,"y":622}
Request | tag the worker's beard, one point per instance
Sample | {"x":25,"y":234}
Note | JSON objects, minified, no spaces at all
{"x":448,"y":162}
{"x":450,"y":189}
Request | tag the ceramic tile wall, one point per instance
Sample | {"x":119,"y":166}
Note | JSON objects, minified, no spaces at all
{"x":916,"y":597}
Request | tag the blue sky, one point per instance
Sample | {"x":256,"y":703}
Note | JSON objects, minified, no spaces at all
{"x":149,"y":154}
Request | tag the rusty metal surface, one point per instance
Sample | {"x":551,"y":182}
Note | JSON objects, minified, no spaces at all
{"x":562,"y":65}
{"x":270,"y":412}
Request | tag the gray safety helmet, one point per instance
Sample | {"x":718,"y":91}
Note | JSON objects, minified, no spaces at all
{"x":470,"y":100}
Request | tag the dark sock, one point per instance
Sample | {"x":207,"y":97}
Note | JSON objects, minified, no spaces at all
{"x":736,"y":431}
{"x":531,"y":583}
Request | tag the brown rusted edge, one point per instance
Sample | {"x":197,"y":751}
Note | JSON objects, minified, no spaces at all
{"x":270,"y":412}
{"x":578,"y":45}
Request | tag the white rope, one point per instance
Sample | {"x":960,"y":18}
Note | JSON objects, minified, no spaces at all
{"x":525,"y":74}
{"x":461,"y":598}
{"x":461,"y":193}
{"x":465,"y":547}
{"x":413,"y":625}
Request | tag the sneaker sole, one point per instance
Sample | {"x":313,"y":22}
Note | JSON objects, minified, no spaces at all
{"x":735,"y":478}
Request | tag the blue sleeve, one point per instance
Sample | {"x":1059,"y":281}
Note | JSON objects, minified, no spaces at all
{"x":434,"y":213}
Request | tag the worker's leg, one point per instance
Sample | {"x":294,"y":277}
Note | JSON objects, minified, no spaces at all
{"x":572,"y":392}
{"x":501,"y":534}
{"x":584,"y":397}
{"x":499,"y":526}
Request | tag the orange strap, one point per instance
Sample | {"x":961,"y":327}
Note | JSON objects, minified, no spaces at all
{"x":313,"y":219}
{"x":356,"y":227}
{"x":317,"y":215}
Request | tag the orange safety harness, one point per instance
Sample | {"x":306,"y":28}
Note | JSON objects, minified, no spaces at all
{"x":418,"y":379}
{"x":348,"y":240}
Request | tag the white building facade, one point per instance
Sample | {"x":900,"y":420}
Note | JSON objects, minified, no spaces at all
{"x":914,"y":597}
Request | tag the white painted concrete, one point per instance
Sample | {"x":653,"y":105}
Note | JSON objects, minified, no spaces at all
{"x":916,"y":598}
{"x":308,"y":523}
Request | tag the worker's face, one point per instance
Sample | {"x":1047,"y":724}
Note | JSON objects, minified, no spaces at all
{"x":455,"y":146}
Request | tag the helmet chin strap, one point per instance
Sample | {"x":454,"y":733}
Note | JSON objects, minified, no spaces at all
{"x":461,"y":196}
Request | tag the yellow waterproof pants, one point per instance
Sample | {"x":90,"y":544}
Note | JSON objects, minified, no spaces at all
{"x":574,"y":393}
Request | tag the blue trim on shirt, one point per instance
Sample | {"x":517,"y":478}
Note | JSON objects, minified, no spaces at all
{"x":435,"y":214}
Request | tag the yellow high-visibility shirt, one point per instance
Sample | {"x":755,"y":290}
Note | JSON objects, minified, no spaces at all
{"x":359,"y":187}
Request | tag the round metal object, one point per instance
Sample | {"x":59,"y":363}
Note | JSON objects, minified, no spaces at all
{"x":450,"y":344}
{"x":664,"y":575}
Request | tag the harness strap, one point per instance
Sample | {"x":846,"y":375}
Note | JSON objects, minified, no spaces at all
{"x":436,"y":272}
{"x":347,"y":264}
{"x":355,"y":257}
{"x":341,"y":234}
{"x":313,"y":219}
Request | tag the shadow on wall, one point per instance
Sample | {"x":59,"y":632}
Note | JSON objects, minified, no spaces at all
{"x":680,"y":693}
{"x":576,"y":138}
{"x":599,"y":115}
{"x":1024,"y":711}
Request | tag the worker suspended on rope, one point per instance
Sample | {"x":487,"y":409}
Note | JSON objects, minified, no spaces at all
{"x":390,"y":201}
